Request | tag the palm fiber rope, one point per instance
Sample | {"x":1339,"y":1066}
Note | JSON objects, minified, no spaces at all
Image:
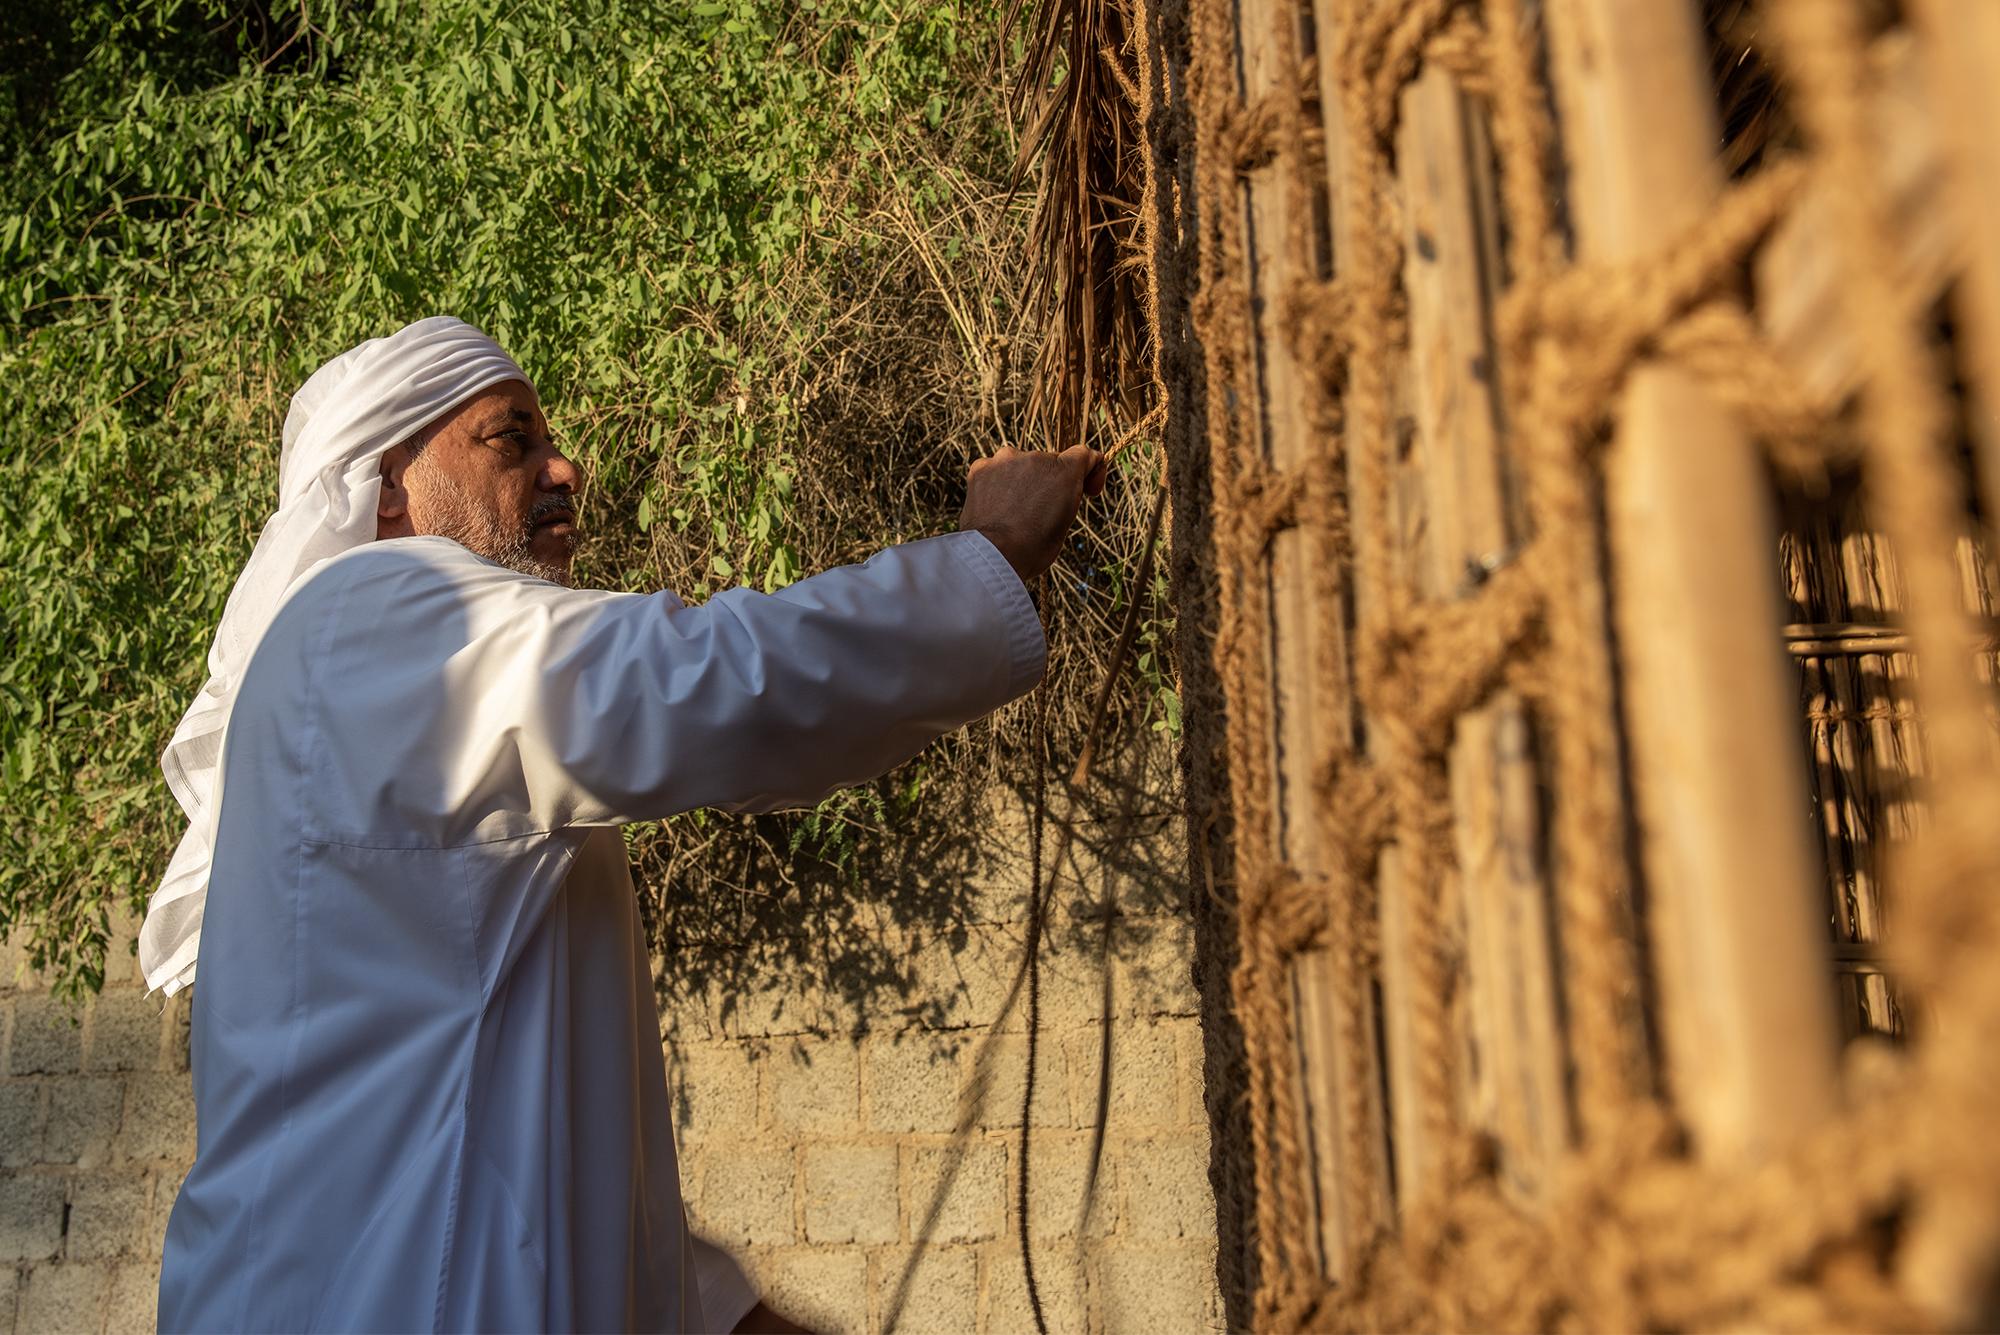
{"x":1633,"y":1232}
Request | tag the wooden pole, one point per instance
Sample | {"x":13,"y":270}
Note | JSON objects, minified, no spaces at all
{"x":1799,"y":286}
{"x":1398,"y":1110}
{"x":1518,"y":1093}
{"x":1961,"y":62}
{"x":1314,"y":702}
{"x":1948,"y":1260}
{"x":1738,"y":932}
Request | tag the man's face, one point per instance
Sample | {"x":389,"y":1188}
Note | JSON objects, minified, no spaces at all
{"x":489,"y":476}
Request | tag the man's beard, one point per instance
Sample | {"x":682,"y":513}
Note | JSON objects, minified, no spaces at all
{"x":450,"y":511}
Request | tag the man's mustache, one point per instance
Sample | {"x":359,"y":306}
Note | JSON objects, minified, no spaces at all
{"x":551,"y":508}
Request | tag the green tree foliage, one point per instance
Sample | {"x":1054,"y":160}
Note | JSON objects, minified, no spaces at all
{"x":666,"y":210}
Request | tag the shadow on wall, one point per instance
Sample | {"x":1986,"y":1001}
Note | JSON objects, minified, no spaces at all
{"x":924,"y":926}
{"x":899,"y":980}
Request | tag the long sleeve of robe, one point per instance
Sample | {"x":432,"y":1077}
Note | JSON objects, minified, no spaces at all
{"x":428,"y":1077}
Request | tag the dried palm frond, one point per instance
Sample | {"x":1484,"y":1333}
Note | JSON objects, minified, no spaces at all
{"x":1078,"y":92}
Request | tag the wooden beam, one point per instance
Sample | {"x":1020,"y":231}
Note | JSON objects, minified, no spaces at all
{"x":1518,"y":1090}
{"x":1960,"y":66}
{"x":1397,"y":1109}
{"x":1314,"y":704}
{"x":1733,"y":893}
{"x":1798,"y":273}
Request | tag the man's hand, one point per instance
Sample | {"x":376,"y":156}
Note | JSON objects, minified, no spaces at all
{"x":1024,"y":502}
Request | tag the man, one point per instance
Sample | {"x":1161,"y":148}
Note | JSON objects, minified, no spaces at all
{"x":427,"y":1067}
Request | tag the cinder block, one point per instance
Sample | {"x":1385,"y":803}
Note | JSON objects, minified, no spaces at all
{"x":1145,"y":1074}
{"x":715,"y":1087}
{"x":821,"y":1288}
{"x":967,"y":976}
{"x":997,"y":891}
{"x":66,"y":1298}
{"x":166,"y":1188}
{"x":1069,"y":975}
{"x":31,"y":1216}
{"x":745,"y":1197}
{"x":1060,"y":1279}
{"x":127,"y":1032}
{"x":1058,"y":1164}
{"x":911,"y":1084}
{"x":159,"y":1118}
{"x":82,"y":1119}
{"x":941,"y":1292}
{"x":1194,"y":1067}
{"x":21,"y":1118}
{"x":48,"y":1036}
{"x":995,"y":872}
{"x":1009,"y":1060}
{"x":179,"y":1022}
{"x":1148,"y":1290}
{"x":14,"y":971}
{"x":107,"y":1215}
{"x":1167,"y":1196}
{"x":815,"y":1085}
{"x":965,"y":1184}
{"x":1072,"y":986}
{"x":772,"y":1003}
{"x":850,"y":1193}
{"x":121,"y":956}
{"x":1155,"y":965}
{"x":135,"y":1299}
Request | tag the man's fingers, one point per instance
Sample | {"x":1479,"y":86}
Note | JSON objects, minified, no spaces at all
{"x":1089,"y":467}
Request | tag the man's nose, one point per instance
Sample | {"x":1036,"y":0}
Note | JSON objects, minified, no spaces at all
{"x":562,"y":474}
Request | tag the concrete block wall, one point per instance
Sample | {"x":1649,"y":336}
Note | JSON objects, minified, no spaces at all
{"x":852,"y":1159}
{"x":823,"y":1162}
{"x":862,"y":1160}
{"x":96,"y":1133}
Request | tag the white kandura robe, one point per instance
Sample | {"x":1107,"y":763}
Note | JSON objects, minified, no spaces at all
{"x":427,"y":1061}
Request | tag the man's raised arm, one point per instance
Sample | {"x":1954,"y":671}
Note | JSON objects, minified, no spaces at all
{"x":604,"y":708}
{"x":758,"y":701}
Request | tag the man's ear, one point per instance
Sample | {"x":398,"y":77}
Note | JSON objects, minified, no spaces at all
{"x":392,"y":506}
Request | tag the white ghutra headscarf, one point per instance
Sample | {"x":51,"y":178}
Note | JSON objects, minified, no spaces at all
{"x":329,"y":479}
